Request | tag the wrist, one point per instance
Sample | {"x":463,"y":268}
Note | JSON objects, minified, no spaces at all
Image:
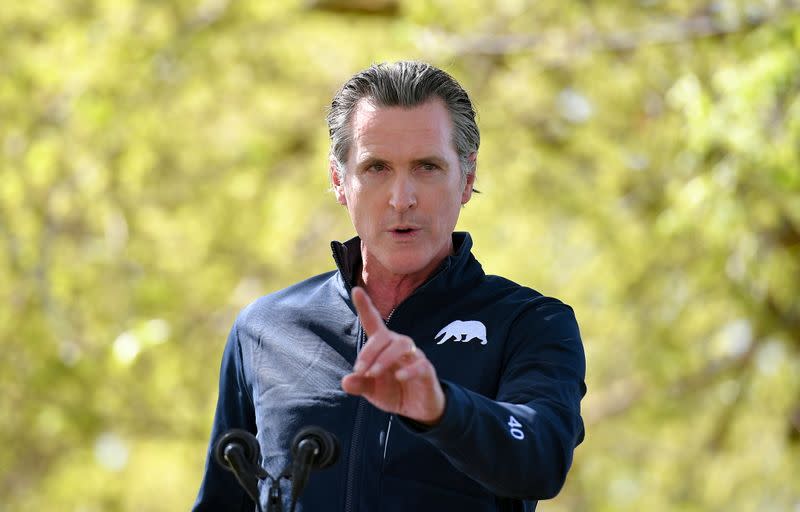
{"x":438,"y":412}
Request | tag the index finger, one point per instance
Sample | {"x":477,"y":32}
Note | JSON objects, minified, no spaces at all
{"x":367,"y":312}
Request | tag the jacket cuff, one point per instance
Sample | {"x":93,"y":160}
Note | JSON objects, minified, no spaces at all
{"x":453,"y":421}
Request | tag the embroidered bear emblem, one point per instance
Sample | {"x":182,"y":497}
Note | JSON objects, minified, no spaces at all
{"x":463,"y":331}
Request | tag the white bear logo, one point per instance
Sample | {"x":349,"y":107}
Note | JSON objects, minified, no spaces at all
{"x":463,"y":331}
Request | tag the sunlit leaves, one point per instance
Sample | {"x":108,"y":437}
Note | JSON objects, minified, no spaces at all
{"x":163,"y":164}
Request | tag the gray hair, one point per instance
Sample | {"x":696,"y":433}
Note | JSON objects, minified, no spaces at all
{"x":404,"y":84}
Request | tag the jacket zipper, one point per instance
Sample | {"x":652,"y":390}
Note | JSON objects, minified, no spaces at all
{"x":389,"y":426}
{"x":355,"y":444}
{"x":361,"y":408}
{"x":362,"y":404}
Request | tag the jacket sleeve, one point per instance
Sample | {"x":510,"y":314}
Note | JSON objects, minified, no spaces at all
{"x":219,"y":490}
{"x":520,"y":444}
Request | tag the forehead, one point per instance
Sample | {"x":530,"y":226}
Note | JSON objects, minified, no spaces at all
{"x":386,"y":131}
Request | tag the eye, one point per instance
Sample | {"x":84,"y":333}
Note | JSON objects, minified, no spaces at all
{"x":428,"y":167}
{"x":376,"y":167}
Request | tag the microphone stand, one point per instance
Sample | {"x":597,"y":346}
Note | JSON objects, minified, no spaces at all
{"x":275,"y":503}
{"x":237,"y":451}
{"x":301,"y":469}
{"x":244,"y":474}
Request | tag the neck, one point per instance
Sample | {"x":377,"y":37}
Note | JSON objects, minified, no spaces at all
{"x":386,"y":289}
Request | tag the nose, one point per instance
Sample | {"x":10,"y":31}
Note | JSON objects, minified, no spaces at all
{"x":403,"y":194}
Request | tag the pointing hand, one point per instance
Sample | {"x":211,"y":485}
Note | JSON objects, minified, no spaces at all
{"x":390,"y":372}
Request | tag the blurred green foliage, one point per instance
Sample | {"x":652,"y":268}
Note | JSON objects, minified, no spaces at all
{"x":163,"y":164}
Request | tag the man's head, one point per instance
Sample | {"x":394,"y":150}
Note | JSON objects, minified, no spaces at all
{"x":403,"y":163}
{"x":403,"y":84}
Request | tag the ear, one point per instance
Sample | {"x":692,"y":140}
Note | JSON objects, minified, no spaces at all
{"x":338,"y":182}
{"x":466,"y":194}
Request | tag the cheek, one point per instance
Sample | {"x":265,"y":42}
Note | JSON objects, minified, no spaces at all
{"x":448,"y":210}
{"x":358,"y":205}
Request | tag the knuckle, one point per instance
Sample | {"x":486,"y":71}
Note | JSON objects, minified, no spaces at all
{"x":424,"y":367}
{"x":397,"y":340}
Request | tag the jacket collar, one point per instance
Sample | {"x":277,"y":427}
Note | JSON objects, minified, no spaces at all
{"x":457,"y":270}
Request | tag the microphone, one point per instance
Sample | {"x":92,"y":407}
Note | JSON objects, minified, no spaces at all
{"x":324,"y":446}
{"x":237,"y":451}
{"x":312,"y":448}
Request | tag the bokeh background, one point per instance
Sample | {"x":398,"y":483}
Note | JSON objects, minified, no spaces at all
{"x":163,"y":163}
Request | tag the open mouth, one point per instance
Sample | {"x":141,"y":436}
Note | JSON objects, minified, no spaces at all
{"x":403,"y":233}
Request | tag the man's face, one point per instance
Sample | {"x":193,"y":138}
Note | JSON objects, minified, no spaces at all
{"x":403,"y":186}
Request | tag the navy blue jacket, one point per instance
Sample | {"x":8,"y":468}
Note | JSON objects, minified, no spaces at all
{"x":510,"y":361}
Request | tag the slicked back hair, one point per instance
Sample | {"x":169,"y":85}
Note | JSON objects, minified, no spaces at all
{"x":405,"y":84}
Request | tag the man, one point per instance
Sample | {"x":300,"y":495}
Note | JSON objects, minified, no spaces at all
{"x":448,"y":389}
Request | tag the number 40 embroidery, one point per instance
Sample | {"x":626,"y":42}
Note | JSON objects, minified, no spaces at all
{"x":514,"y":425}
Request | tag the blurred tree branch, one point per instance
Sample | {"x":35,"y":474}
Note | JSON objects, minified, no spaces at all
{"x":708,"y":22}
{"x":387,"y":8}
{"x":623,"y":395}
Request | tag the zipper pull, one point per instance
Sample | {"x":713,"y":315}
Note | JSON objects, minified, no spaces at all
{"x":386,"y":438}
